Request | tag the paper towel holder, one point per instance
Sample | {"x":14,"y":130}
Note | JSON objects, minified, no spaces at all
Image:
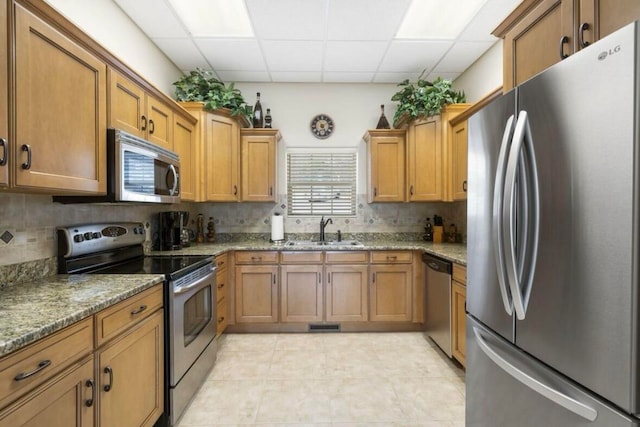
{"x":277,"y":230}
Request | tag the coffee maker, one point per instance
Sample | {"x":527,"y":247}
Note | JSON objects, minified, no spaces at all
{"x":170,"y":229}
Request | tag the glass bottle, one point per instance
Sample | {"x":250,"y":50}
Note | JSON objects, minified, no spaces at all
{"x":428,"y":231}
{"x":267,"y":119}
{"x":383,"y":123}
{"x":200,"y":229}
{"x":258,"y":118}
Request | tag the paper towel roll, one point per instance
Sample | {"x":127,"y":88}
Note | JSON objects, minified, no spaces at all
{"x":277,"y":228}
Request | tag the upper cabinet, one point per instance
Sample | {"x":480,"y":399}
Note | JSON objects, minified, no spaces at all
{"x":60,"y":101}
{"x":135,"y":111}
{"x":185,"y":146}
{"x":385,"y":165}
{"x":539,"y":33}
{"x":258,"y":148}
{"x":4,"y":99}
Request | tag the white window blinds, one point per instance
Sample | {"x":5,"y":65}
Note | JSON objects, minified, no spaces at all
{"x":321,"y":184}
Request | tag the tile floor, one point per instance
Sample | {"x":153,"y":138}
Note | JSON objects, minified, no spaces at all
{"x":329,"y":379}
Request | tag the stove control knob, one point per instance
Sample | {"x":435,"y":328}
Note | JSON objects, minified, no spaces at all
{"x":78,"y":238}
{"x":88,"y":235}
{"x":96,"y":235}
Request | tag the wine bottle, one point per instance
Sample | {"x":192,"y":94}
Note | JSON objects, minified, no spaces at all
{"x":383,"y":123}
{"x":258,"y":118}
{"x":267,"y":119}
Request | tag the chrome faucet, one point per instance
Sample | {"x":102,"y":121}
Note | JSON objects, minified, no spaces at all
{"x":323,"y":224}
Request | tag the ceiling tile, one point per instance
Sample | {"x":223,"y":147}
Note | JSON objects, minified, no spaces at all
{"x":446,"y":76}
{"x":183,"y":53}
{"x":354,"y":56}
{"x":395,"y":77}
{"x":244,"y":76}
{"x":462,"y":55}
{"x":153,"y":17}
{"x":487,"y":19}
{"x":293,"y":55}
{"x":413,"y":56}
{"x":288,"y":19}
{"x":296,"y":77}
{"x":365,"y":19}
{"x":337,"y":77}
{"x":232,"y":54}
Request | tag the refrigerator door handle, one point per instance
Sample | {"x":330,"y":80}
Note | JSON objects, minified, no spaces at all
{"x":498,"y":201}
{"x":534,"y":384}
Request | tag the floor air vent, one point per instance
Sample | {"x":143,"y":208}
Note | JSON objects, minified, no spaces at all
{"x":324,"y":328}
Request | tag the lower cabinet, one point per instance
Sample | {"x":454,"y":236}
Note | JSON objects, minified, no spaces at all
{"x":256,"y":293}
{"x":346,"y":293}
{"x":301,"y":293}
{"x":458,"y":319}
{"x":391,"y":293}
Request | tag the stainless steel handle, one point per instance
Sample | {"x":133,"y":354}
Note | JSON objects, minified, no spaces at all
{"x":498,"y":201}
{"x":563,"y":40}
{"x":581,"y":41}
{"x":172,"y":169}
{"x":5,"y":151}
{"x":27,"y":164}
{"x":534,"y":384}
{"x":90,"y":383}
{"x":202,"y":283}
{"x":139,"y":310}
{"x":109,"y":371}
{"x":24,"y":375}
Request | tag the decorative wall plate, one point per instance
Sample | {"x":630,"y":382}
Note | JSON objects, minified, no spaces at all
{"x":322,"y":126}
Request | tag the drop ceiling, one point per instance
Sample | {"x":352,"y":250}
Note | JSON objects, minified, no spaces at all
{"x":330,"y":41}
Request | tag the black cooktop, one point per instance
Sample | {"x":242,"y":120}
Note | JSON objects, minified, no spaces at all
{"x":170,"y":266}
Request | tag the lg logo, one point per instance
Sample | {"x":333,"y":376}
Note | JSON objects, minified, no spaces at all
{"x":603,"y":55}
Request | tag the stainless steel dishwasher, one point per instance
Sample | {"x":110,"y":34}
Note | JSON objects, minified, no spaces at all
{"x":437,"y":304}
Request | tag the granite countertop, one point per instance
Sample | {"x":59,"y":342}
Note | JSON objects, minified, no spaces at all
{"x":33,"y":310}
{"x":454,"y":252}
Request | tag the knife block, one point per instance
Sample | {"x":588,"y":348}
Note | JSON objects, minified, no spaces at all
{"x":438,"y":230}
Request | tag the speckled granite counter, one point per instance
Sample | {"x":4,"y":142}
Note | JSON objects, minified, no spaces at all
{"x":30,"y":311}
{"x":455,"y":252}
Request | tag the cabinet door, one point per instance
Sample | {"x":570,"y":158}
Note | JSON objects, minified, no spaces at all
{"x":131,"y":376}
{"x":160,"y":127}
{"x":301,"y":293}
{"x":126,"y":105}
{"x":533,"y":44}
{"x":184,"y":144}
{"x":391,"y":293}
{"x":346,"y":293}
{"x":459,"y":161}
{"x":67,"y":400}
{"x":60,"y":110}
{"x":458,"y":322}
{"x":386,"y":168}
{"x":425,"y":160}
{"x":603,"y":17}
{"x":4,"y":99}
{"x":257,"y":294}
{"x":221,"y":160}
{"x":258,"y":168}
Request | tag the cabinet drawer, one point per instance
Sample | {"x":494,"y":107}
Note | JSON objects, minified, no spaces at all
{"x":391,"y":257}
{"x":44,"y":358}
{"x":221,"y":285}
{"x":221,"y":316}
{"x":222,"y":261}
{"x":460,"y":273}
{"x":346,"y":257}
{"x":302,"y":257}
{"x":256,"y":257}
{"x":116,"y":319}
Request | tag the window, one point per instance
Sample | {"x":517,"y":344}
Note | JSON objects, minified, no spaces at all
{"x":321,"y":184}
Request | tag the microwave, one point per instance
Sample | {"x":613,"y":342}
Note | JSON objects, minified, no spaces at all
{"x":137,"y":171}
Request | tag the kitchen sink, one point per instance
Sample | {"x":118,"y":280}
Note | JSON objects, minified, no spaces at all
{"x":331,"y":243}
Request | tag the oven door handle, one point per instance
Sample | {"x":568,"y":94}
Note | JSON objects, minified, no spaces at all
{"x":194,"y":286}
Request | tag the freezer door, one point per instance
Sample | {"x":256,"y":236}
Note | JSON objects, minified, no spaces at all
{"x":505,"y":387}
{"x":489,"y":136}
{"x":582,"y":315}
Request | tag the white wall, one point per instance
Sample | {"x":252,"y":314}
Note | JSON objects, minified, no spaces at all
{"x":107,"y":24}
{"x":483,"y":76}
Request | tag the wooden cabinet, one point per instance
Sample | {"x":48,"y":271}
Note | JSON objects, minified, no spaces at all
{"x":135,"y":111}
{"x":385,"y":165}
{"x":60,"y":95}
{"x":458,"y":175}
{"x":256,"y":285}
{"x":184,"y":145}
{"x":4,"y":99}
{"x":258,"y":164}
{"x":539,"y":33}
{"x":346,"y":293}
{"x":301,"y":293}
{"x":67,"y":400}
{"x":391,"y":286}
{"x":130,"y":376}
{"x":458,"y":313}
{"x":222,"y":289}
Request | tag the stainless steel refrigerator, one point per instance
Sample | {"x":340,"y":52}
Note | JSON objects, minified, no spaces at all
{"x":553,"y":299}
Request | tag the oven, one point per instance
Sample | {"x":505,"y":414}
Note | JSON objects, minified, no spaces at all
{"x":189,"y":299}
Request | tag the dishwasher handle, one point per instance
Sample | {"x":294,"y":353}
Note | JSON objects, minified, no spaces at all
{"x":437,"y":264}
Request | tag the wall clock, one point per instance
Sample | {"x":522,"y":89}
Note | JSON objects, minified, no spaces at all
{"x":322,"y":126}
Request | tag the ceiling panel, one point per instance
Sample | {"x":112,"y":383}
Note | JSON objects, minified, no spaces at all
{"x":461,"y":56}
{"x":354,"y":56}
{"x":296,"y":77}
{"x":338,"y":77}
{"x":487,"y":19}
{"x":288,"y":19}
{"x":232,"y":54}
{"x":183,"y":52}
{"x":365,"y":19}
{"x":382,"y":77}
{"x":413,"y":56}
{"x":293,"y":55}
{"x":244,"y":76}
{"x":155,"y":18}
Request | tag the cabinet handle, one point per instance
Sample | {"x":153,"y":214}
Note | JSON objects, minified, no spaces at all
{"x":109,"y":371}
{"x":221,"y":285}
{"x":319,"y":278}
{"x":139,"y":310}
{"x":274,"y":279}
{"x":411,"y":190}
{"x":24,"y":375}
{"x":220,"y":264}
{"x":584,"y":27}
{"x":271,"y":191}
{"x":91,"y":384}
{"x":235,"y":190}
{"x":220,"y":319}
{"x":392,"y":257}
{"x":256,"y":258}
{"x":152,"y":126}
{"x":374,"y":277}
{"x":5,"y":151}
{"x":375,"y":191}
{"x":328,"y":277}
{"x":464,"y":185}
{"x":144,"y":123}
{"x":27,"y":148}
{"x":563,"y":41}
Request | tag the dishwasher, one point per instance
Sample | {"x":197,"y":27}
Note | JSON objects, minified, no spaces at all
{"x":437,"y":301}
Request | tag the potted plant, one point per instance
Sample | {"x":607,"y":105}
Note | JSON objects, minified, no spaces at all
{"x":423,"y":99}
{"x":201,"y":86}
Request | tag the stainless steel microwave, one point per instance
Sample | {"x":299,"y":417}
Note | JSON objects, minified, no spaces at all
{"x":137,"y":171}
